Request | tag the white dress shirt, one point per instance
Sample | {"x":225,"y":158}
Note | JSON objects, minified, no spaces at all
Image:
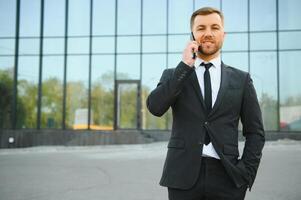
{"x":215,"y":77}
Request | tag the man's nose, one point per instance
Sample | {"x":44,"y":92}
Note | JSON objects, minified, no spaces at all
{"x":208,"y":32}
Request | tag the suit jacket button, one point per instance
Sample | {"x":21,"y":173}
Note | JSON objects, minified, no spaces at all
{"x":206,"y":123}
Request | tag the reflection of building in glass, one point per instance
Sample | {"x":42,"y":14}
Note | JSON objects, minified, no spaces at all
{"x":103,"y":57}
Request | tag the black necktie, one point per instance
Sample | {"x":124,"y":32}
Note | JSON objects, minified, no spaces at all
{"x":207,"y":85}
{"x":207,"y":94}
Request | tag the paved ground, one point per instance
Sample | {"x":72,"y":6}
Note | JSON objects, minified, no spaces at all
{"x":127,"y":172}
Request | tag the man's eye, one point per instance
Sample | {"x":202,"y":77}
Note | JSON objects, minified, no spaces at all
{"x":215,"y":28}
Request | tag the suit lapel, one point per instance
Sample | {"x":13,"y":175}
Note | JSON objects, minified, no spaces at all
{"x":196,"y":86}
{"x":222,"y":89}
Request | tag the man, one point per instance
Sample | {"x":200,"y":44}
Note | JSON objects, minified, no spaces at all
{"x":207,"y":99}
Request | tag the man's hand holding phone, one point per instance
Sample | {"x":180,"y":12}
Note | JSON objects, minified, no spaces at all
{"x":189,"y":53}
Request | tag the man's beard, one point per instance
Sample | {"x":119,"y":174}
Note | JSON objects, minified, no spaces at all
{"x":209,"y":52}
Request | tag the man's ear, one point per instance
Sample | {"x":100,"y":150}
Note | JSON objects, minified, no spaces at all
{"x":224,"y":35}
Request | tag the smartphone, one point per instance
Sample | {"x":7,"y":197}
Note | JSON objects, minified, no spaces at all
{"x":193,"y":39}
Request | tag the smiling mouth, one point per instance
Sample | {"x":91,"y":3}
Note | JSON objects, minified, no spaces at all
{"x":205,"y":42}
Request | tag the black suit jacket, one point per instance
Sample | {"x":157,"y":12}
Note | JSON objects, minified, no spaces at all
{"x":179,"y":89}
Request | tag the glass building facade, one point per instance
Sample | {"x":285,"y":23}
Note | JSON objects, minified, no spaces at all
{"x":90,"y":64}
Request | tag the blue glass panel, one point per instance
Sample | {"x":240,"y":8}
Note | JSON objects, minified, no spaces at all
{"x":264,"y":74}
{"x":54,"y":18}
{"x":179,"y":23}
{"x":263,"y":41}
{"x":290,"y":40}
{"x":236,"y":42}
{"x":128,"y":67}
{"x":7,"y":11}
{"x":103,"y":17}
{"x":30,"y":15}
{"x":154,"y":11}
{"x":154,"y":44}
{"x":289,"y":14}
{"x":128,"y":44}
{"x":79,"y":18}
{"x":129,"y":17}
{"x":262,"y":15}
{"x":236,"y":15}
{"x":290,"y":93}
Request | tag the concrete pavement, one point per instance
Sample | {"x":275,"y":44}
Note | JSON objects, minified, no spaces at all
{"x":127,"y":172}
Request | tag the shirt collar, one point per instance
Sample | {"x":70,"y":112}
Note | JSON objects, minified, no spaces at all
{"x":215,"y":61}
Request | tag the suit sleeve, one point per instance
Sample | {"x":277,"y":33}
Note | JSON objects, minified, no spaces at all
{"x":253,"y":131}
{"x":167,"y":90}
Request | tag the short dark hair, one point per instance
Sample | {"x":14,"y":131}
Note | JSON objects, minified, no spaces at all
{"x":205,"y":11}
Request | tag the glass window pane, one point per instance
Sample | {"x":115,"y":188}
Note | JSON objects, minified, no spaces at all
{"x":77,"y":92}
{"x":264,"y":74}
{"x":154,"y":43}
{"x":29,"y":46}
{"x":52,"y":91}
{"x":103,"y":45}
{"x":128,"y":67}
{"x":236,"y":42}
{"x":237,"y":60}
{"x":53,"y":46}
{"x":177,"y":43}
{"x":174,"y":59}
{"x":78,"y":45}
{"x":103,"y":17}
{"x":7,"y":11}
{"x":154,"y":11}
{"x":102,"y":91}
{"x":263,"y":41}
{"x":179,"y":23}
{"x":7,"y":64}
{"x":30,"y":14}
{"x":127,"y":94}
{"x":28,"y":76}
{"x":6,"y":90}
{"x":129,"y":16}
{"x":153,"y":67}
{"x":54,"y":18}
{"x":236,"y":15}
{"x":28,"y":68}
{"x":290,"y":93}
{"x":262,"y":15}
{"x":289,"y":14}
{"x":7,"y":46}
{"x":128,"y":44}
{"x":79,"y":18}
{"x":211,"y":3}
{"x":290,"y":40}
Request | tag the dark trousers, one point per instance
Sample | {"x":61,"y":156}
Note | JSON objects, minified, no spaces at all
{"x":213,"y":184}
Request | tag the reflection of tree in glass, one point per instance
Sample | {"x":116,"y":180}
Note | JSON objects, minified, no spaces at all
{"x":27,"y":104}
{"x":292,"y":101}
{"x":269,"y":111}
{"x":102,"y":98}
{"x":6,"y":96}
{"x":102,"y":103}
{"x":52,"y":94}
{"x":128,"y":105}
{"x":150,"y":121}
{"x":77,"y":98}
